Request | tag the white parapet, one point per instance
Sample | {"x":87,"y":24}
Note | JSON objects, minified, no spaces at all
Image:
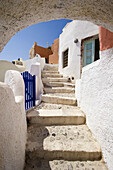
{"x":13,"y":128}
{"x":36,"y":70}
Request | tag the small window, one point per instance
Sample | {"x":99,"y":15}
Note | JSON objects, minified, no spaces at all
{"x":91,"y":51}
{"x":65,"y":58}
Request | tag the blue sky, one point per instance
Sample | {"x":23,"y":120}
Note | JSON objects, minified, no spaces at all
{"x":21,"y":43}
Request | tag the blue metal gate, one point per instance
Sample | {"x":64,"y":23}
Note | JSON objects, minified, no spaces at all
{"x":29,"y":81}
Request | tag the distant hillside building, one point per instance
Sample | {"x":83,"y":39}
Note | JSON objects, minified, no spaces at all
{"x":54,"y":58}
{"x":43,"y":52}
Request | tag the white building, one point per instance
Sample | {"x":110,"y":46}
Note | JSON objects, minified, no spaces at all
{"x":78,"y":46}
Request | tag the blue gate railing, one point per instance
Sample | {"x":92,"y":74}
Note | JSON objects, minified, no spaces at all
{"x":29,"y":81}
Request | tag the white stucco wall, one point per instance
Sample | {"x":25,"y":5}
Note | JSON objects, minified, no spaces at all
{"x":95,"y":95}
{"x":36,"y":70}
{"x":6,"y":65}
{"x":34,"y":60}
{"x":76,"y":29}
{"x":13,"y":129}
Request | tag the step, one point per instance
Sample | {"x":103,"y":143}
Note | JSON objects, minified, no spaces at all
{"x":41,"y":164}
{"x":59,"y":99}
{"x":52,"y":79}
{"x":56,"y":117}
{"x":74,"y":143}
{"x":46,"y":71}
{"x":52,"y":67}
{"x":51,"y":75}
{"x":59,"y":90}
{"x":54,"y":84}
{"x":52,"y":106}
{"x":59,"y":84}
{"x":66,"y":84}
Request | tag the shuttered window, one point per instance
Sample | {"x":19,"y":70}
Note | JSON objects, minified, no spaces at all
{"x":65,"y":58}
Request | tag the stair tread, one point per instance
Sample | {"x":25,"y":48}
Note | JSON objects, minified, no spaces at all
{"x":49,"y":71}
{"x":69,"y":83}
{"x":61,"y":95}
{"x":55,"y":113}
{"x":52,"y":79}
{"x":64,"y":165}
{"x":72,"y":139}
{"x":59,"y":88}
{"x":52,"y":106}
{"x":51,"y":75}
{"x":51,"y":117}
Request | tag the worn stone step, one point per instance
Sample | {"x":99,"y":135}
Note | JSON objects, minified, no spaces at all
{"x":52,"y":67}
{"x":52,"y":106}
{"x":58,"y":99}
{"x":54,"y":84}
{"x":59,"y":90}
{"x":53,"y":72}
{"x":59,"y":84}
{"x":75,"y":143}
{"x":67,"y":84}
{"x":52,"y":79}
{"x":41,"y":164}
{"x":56,"y":117}
{"x":51,"y":75}
{"x":70,"y":95}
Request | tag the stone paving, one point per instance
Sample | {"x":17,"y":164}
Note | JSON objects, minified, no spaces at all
{"x":59,"y":139}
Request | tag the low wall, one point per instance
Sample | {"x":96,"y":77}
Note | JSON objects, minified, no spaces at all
{"x":34,"y":60}
{"x":6,"y":65}
{"x":13,"y":128}
{"x":95,"y":97}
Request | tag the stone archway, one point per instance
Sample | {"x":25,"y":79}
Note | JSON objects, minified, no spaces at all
{"x":17,"y":15}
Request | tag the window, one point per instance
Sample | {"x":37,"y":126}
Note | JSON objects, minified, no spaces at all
{"x":65,"y":58}
{"x":91,"y":51}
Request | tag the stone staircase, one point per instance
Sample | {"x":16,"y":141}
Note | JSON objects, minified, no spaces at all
{"x":58,"y":90}
{"x":58,"y":137}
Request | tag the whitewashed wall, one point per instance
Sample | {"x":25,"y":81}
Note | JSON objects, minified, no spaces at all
{"x":6,"y":65}
{"x":34,"y":60}
{"x":76,"y":29}
{"x":95,"y":96}
{"x":13,"y":127}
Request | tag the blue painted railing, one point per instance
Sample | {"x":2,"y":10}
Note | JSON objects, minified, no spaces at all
{"x":29,"y":81}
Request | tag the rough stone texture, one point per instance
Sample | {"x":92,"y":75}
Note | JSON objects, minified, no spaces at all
{"x":56,"y":117}
{"x":54,"y":106}
{"x":54,"y":79}
{"x":96,"y":98}
{"x":13,"y":128}
{"x":59,"y":90}
{"x":62,"y":94}
{"x":59,"y":132}
{"x":17,"y":15}
{"x":63,"y":142}
{"x":64,"y":165}
{"x":51,"y":75}
{"x":69,"y":100}
{"x":58,"y":98}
